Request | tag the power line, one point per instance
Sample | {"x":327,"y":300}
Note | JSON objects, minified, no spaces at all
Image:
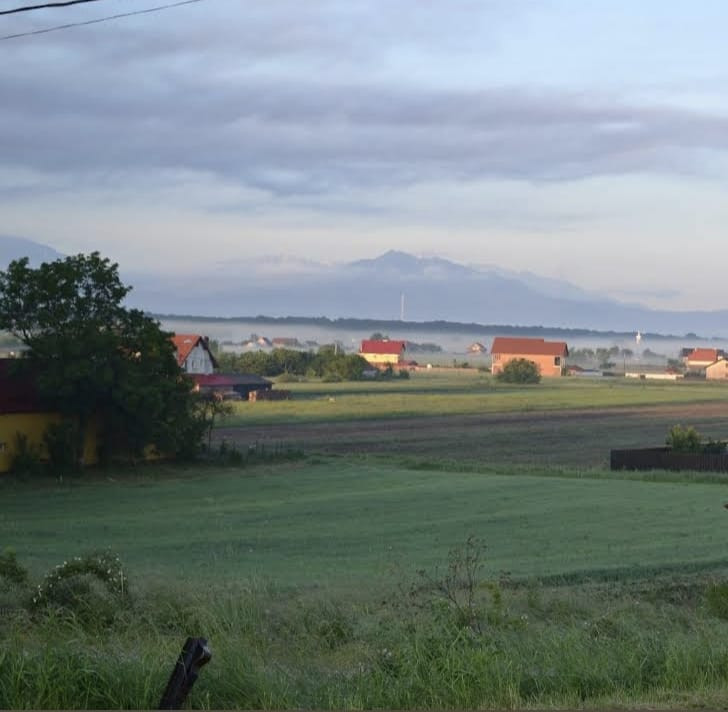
{"x":100,"y":19}
{"x":28,"y":8}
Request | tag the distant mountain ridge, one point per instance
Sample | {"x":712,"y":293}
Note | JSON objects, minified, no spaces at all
{"x":13,"y":248}
{"x":393,"y":285}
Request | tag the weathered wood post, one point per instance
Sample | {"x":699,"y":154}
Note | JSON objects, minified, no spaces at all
{"x":194,"y":655}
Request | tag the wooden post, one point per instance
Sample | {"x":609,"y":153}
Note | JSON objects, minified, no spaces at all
{"x":194,"y":655}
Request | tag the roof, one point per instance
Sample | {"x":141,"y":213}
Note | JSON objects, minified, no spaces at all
{"x":528,"y":347}
{"x":228,"y":380}
{"x":706,"y":355}
{"x":18,"y":392}
{"x":384,"y":346}
{"x":185,"y":343}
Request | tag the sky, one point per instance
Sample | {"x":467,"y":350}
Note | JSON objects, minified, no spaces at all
{"x":585,"y":140}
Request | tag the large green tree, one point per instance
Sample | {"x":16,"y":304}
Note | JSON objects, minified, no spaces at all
{"x":96,"y":358}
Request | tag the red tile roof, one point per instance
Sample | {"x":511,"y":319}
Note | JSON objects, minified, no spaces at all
{"x":184,"y":343}
{"x":18,"y":392}
{"x":375,"y":346}
{"x":528,"y":347}
{"x":707,"y":355}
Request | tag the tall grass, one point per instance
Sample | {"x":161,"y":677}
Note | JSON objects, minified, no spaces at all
{"x":548,"y":647}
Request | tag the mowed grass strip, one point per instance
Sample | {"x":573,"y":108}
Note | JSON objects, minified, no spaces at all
{"x":461,"y":394}
{"x":344,"y":524}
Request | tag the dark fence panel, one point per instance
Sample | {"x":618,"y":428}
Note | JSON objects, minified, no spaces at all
{"x":662,"y":458}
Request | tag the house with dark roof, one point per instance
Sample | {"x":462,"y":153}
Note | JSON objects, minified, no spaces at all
{"x":549,"y":356}
{"x":383,"y":352}
{"x":230,"y":385}
{"x":24,"y":414}
{"x":193,"y":353}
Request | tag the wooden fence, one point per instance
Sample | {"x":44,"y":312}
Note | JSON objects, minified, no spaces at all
{"x":663,"y":458}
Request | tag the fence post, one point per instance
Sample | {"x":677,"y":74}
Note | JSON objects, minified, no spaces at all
{"x":194,"y":655}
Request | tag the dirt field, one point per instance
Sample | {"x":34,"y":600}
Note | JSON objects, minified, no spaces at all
{"x":565,"y":437}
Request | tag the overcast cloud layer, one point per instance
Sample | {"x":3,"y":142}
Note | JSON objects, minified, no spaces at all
{"x":585,"y":141}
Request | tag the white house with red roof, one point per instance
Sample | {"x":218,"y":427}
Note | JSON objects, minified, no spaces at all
{"x":549,"y":356}
{"x":193,"y":353}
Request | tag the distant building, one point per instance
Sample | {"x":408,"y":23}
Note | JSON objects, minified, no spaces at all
{"x":549,"y":356}
{"x":25,"y":414}
{"x":477,"y":348}
{"x":383,"y":352}
{"x":230,"y":385}
{"x":717,"y":371}
{"x":700,"y":359}
{"x":193,"y":353}
{"x":283,"y":342}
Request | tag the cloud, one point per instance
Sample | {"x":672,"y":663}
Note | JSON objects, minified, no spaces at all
{"x":252,"y":104}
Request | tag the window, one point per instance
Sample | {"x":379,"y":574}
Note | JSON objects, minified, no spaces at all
{"x":557,"y":360}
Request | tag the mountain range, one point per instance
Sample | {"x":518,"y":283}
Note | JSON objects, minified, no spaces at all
{"x":390,"y":286}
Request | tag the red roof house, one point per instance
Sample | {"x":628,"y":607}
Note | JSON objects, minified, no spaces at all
{"x":382,"y":352}
{"x":549,"y":356}
{"x":193,"y":353}
{"x":699,"y":359}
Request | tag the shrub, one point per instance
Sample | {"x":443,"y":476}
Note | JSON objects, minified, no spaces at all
{"x":10,"y":570}
{"x":91,"y":587}
{"x":61,"y":440}
{"x":26,"y":460}
{"x":520,"y":370}
{"x":684,"y":439}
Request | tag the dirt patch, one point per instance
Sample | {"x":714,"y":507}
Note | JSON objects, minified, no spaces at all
{"x":578,"y":436}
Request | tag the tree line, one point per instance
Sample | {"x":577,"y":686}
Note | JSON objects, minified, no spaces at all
{"x":328,"y":363}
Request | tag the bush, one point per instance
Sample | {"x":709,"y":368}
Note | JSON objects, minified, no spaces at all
{"x":61,"y":440}
{"x":520,"y":370}
{"x":26,"y":460}
{"x":684,"y":439}
{"x":93,"y":588}
{"x":10,"y":570}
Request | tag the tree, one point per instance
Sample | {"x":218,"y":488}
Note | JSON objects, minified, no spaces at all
{"x":95,"y":358}
{"x":520,"y":370}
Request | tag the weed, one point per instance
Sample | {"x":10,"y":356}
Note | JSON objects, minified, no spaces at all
{"x":716,"y":599}
{"x":10,"y":570}
{"x":460,"y":585}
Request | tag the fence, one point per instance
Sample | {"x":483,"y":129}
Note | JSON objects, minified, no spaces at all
{"x":663,"y":458}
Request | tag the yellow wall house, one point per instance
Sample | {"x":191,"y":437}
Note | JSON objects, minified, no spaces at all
{"x":22,"y":412}
{"x":382,"y":352}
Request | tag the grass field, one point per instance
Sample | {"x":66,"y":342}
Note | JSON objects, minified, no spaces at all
{"x":343,"y":523}
{"x":337,"y":580}
{"x":465,"y":393}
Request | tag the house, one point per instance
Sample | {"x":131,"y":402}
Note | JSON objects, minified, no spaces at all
{"x":23,"y":413}
{"x":700,"y":359}
{"x":230,"y":385}
{"x":549,"y":356}
{"x":717,"y":371}
{"x":382,"y":352}
{"x":285,"y":342}
{"x":477,"y":348}
{"x":193,"y":353}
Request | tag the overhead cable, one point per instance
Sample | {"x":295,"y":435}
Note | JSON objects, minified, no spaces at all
{"x":28,"y":8}
{"x":96,"y":21}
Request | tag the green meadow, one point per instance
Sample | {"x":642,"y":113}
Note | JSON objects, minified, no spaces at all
{"x":458,"y":563}
{"x":465,"y":393}
{"x":339,"y":523}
